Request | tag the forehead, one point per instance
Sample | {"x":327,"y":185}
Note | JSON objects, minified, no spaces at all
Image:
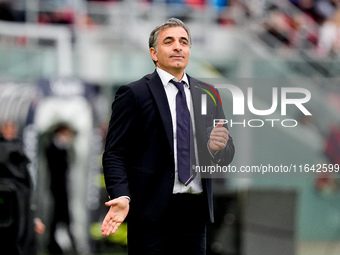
{"x":175,"y":32}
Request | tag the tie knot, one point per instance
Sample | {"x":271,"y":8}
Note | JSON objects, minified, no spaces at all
{"x":179,"y":85}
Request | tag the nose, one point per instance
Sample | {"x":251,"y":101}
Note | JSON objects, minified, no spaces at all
{"x":177,"y":46}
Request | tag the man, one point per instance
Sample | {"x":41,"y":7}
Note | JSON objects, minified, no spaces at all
{"x":57,"y":158}
{"x":17,"y":222}
{"x":144,"y":152}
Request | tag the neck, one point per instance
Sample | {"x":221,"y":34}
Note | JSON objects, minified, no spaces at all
{"x":179,"y":76}
{"x":178,"y":73}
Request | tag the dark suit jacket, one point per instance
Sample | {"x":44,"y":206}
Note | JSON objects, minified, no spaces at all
{"x":139,"y":156}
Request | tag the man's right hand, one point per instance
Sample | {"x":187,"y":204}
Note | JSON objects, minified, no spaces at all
{"x":117,"y":213}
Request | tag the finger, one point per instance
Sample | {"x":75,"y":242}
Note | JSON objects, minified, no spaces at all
{"x":108,"y":229}
{"x":219,"y":143}
{"x":220,"y":137}
{"x":220,"y":129}
{"x":111,"y":228}
{"x":104,"y":232}
{"x":106,"y":222}
{"x":221,"y":132}
{"x":115,"y":228}
{"x":111,"y":202}
{"x":104,"y":227}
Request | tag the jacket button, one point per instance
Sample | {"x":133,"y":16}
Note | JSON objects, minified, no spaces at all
{"x":171,"y":176}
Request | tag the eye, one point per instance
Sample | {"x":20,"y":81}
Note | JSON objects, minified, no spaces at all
{"x":184,"y":42}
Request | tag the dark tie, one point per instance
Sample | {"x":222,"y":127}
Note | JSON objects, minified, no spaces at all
{"x":183,"y":135}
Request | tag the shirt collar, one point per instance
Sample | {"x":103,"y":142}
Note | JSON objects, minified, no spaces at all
{"x":166,"y":77}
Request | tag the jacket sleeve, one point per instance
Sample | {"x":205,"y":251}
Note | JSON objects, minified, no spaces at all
{"x":115,"y":157}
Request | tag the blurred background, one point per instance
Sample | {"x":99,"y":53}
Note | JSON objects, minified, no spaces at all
{"x":61,"y":62}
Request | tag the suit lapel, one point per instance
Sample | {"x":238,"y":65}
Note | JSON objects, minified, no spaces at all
{"x":196,"y":102}
{"x":159,"y":95}
{"x":201,"y":135}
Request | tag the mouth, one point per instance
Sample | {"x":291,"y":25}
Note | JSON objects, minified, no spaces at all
{"x":177,"y":56}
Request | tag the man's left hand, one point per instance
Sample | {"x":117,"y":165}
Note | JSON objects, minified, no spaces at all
{"x":219,"y":137}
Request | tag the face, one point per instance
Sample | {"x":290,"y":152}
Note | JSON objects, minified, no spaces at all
{"x":173,"y":50}
{"x":64,"y":136}
{"x":9,"y":130}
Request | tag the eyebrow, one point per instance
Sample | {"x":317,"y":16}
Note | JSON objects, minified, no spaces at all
{"x":172,"y":38}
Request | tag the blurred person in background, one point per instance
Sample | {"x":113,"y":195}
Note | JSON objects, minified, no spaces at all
{"x":332,"y":145}
{"x":17,"y":225}
{"x":145,"y":154}
{"x":276,"y":26}
{"x":58,"y":163}
{"x":6,"y":12}
{"x":329,"y":37}
{"x":327,"y":181}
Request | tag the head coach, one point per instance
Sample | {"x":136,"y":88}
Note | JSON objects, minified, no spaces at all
{"x":156,"y":137}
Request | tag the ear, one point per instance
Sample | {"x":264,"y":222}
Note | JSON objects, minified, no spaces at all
{"x":153,"y":54}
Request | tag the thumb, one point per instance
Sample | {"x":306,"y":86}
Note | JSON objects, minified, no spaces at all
{"x":111,"y":202}
{"x":220,"y":123}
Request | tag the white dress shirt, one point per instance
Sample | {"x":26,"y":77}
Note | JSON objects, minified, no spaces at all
{"x":195,"y":186}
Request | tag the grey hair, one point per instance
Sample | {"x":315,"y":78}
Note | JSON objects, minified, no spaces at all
{"x":172,"y":22}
